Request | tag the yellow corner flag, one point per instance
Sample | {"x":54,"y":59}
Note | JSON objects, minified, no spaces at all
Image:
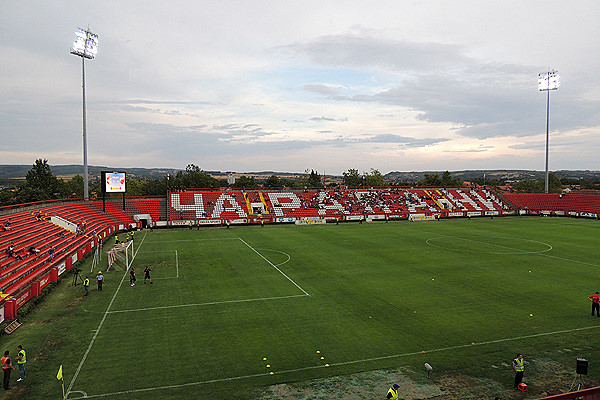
{"x":59,"y":376}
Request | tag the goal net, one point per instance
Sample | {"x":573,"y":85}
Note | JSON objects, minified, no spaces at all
{"x":120,"y":256}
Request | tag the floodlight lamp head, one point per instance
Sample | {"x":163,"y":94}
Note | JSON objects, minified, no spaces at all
{"x":85,"y":44}
{"x":548,"y":80}
{"x":428,"y":367}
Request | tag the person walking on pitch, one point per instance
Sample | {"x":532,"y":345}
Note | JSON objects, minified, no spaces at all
{"x":595,"y":298}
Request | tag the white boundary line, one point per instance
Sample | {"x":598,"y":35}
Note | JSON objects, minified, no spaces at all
{"x":264,"y":374}
{"x":195,"y":240}
{"x":205,"y":304}
{"x":99,"y":326}
{"x":274,"y":266}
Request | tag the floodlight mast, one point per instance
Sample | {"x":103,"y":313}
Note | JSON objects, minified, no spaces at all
{"x":84,"y":46}
{"x":548,"y":81}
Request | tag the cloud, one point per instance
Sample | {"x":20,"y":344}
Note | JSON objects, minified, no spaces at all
{"x":406,"y":142}
{"x":442,"y":84}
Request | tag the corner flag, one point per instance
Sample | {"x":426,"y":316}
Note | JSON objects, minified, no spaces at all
{"x":59,"y":376}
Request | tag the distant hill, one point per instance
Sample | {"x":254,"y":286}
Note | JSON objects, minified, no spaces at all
{"x":500,"y":174}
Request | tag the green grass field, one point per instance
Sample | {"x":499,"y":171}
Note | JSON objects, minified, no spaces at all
{"x":366,"y":296}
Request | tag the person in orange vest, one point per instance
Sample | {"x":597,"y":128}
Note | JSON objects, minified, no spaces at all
{"x":7,"y":367}
{"x":595,"y":298}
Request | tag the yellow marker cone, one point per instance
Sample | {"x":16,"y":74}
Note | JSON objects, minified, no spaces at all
{"x":268,"y":365}
{"x":271,"y":373}
{"x":264,"y":358}
{"x":322,"y":358}
{"x":318,"y":351}
{"x":327,"y":365}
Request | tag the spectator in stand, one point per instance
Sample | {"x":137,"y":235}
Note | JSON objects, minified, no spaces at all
{"x":10,"y":249}
{"x":34,"y":250}
{"x":18,"y":255}
{"x":51,"y":253}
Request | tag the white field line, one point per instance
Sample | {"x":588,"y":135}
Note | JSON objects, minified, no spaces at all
{"x":100,"y":326}
{"x":541,"y":253}
{"x":518,"y":251}
{"x":193,"y":240}
{"x":206,"y":304}
{"x":336,"y":364}
{"x":176,"y":266}
{"x":274,"y":266}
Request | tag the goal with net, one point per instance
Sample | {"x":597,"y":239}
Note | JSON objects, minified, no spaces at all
{"x":120,"y":256}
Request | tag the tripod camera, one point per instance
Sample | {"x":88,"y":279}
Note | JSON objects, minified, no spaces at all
{"x":77,"y":276}
{"x":582,"y":369}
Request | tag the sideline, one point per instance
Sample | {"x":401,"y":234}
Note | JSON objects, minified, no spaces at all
{"x":100,"y":325}
{"x":264,"y":374}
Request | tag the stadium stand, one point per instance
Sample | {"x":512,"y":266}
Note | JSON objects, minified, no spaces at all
{"x":334,"y":204}
{"x":26,"y":237}
{"x":565,"y":203}
{"x":72,"y":229}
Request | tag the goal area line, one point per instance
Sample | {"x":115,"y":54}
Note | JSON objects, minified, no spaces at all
{"x":108,"y":311}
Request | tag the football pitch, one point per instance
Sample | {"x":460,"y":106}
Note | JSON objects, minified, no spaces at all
{"x":232,"y":311}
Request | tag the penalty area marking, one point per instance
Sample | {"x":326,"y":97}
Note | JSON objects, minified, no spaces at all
{"x":274,"y":266}
{"x":210,"y":303}
{"x":264,"y":374}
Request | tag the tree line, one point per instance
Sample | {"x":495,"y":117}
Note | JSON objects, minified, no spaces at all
{"x":41,"y":184}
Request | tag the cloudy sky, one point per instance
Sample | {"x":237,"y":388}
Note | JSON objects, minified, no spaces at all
{"x":285,"y":86}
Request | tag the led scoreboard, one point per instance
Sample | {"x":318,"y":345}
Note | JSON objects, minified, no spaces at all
{"x":113,"y":182}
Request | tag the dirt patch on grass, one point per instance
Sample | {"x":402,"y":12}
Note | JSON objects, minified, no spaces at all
{"x":375,"y":384}
{"x":548,"y":378}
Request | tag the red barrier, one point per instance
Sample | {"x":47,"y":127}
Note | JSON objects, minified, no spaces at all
{"x":69,"y":262}
{"x":586,"y":394}
{"x":43,"y":282}
{"x":79,"y":254}
{"x":35,"y":289}
{"x":9,"y":309}
{"x":22,"y":299}
{"x":54,"y":274}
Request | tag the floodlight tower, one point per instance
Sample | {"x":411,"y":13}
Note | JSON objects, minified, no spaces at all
{"x":85,"y":46}
{"x":548,"y":81}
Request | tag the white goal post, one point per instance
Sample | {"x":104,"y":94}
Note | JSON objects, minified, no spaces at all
{"x":120,"y":256}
